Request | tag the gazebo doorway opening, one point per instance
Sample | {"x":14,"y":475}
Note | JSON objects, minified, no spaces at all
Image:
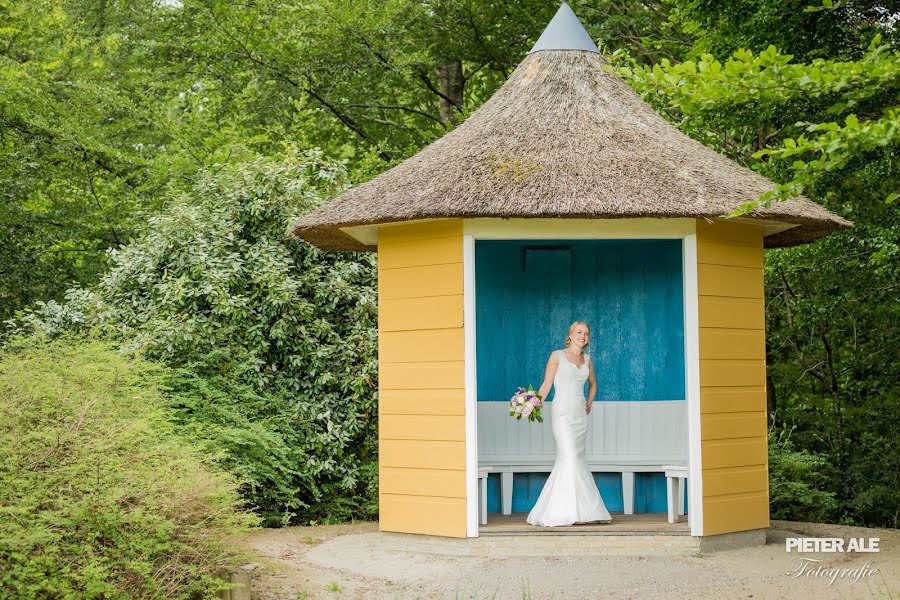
{"x":630,"y":292}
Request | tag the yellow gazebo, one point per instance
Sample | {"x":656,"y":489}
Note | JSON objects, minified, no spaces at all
{"x":566,"y":197}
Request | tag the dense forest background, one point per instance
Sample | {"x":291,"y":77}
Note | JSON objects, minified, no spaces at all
{"x":153,"y":153}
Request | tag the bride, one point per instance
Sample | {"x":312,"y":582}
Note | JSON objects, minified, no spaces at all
{"x":570,"y":494}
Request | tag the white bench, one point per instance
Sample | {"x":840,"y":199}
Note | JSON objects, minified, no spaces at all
{"x":676,"y":475}
{"x":482,"y":494}
{"x":677,"y":472}
{"x":623,"y":437}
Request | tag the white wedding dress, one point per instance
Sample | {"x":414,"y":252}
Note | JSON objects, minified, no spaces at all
{"x":569,"y":495}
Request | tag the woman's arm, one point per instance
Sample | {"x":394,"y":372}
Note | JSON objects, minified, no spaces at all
{"x":549,"y":374}
{"x":592,"y":386}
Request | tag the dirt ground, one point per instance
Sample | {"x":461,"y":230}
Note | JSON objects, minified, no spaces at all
{"x":353,"y":561}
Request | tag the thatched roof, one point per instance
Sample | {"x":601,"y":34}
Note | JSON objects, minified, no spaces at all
{"x":562,"y":138}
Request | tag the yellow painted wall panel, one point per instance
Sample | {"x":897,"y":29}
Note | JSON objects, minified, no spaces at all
{"x":731,"y":373}
{"x":422,"y":514}
{"x":725,"y":280}
{"x":735,"y":513}
{"x":422,"y":427}
{"x":717,"y":482}
{"x":417,"y":282}
{"x":719,"y":252}
{"x":437,"y":312}
{"x":723,"y":426}
{"x":419,"y":345}
{"x":422,"y":402}
{"x":414,"y":253}
{"x":405,"y":232}
{"x":422,"y":482}
{"x":732,"y":399}
{"x":418,"y":454}
{"x":421,"y":376}
{"x":728,"y":232}
{"x":735,"y":453}
{"x":732,"y":343}
{"x":421,"y":364}
{"x":732,"y":313}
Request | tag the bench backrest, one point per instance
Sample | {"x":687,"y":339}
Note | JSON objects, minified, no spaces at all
{"x":636,"y":433}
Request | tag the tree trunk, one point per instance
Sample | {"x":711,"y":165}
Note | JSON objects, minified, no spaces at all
{"x":452,"y":84}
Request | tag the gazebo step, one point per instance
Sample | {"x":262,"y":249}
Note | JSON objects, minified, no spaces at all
{"x":544,"y":545}
{"x":561,"y":531}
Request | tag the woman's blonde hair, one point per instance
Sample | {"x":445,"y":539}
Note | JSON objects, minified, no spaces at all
{"x":571,"y":328}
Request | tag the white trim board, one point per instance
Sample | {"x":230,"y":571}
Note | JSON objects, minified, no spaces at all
{"x":493,"y":228}
{"x":470,"y":382}
{"x":577,"y":229}
{"x":692,"y":382}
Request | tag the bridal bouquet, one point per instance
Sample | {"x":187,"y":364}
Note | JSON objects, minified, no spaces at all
{"x":526,"y":403}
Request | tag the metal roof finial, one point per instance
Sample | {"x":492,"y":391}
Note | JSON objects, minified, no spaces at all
{"x":565,"y":32}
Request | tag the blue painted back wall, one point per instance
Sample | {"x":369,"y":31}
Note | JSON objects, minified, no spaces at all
{"x":628,"y":291}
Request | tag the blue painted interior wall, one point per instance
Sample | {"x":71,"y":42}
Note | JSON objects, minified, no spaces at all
{"x":527,"y":292}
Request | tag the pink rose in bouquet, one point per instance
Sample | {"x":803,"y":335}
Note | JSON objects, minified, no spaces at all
{"x":526,"y":403}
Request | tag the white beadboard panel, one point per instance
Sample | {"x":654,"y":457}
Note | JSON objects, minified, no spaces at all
{"x":619,"y":433}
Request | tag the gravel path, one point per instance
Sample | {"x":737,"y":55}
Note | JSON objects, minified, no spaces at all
{"x":352,"y":561}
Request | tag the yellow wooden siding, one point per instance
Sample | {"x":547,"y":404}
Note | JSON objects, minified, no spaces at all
{"x":436,"y":312}
{"x":421,"y":374}
{"x":420,"y":402}
{"x":422,"y":514}
{"x":730,"y":281}
{"x":446,"y":483}
{"x":737,"y":512}
{"x":724,"y":372}
{"x":417,"y":282}
{"x":725,"y":399}
{"x":735,"y":480}
{"x":419,"y":252}
{"x":406,"y":346}
{"x":725,"y":426}
{"x":740,"y":344}
{"x":732,"y":377}
{"x":421,"y":454}
{"x":451,"y":428}
{"x":734,"y":452}
{"x":731,"y":313}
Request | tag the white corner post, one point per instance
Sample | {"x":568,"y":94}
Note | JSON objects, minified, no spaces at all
{"x":472,"y":496}
{"x":692,"y":383}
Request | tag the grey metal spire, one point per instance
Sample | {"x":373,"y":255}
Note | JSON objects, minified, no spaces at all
{"x":565,"y":32}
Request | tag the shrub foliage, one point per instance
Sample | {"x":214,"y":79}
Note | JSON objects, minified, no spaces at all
{"x":276,"y":342}
{"x":99,"y":495}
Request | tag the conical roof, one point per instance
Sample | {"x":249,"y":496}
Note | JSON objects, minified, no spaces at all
{"x":562,"y":138}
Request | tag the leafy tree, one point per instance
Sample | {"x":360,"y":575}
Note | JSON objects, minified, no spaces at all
{"x":826,"y":128}
{"x":757,"y":100}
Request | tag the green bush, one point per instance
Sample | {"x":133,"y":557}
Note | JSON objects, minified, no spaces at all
{"x":796,"y":481}
{"x":99,"y":496}
{"x":276,"y":342}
